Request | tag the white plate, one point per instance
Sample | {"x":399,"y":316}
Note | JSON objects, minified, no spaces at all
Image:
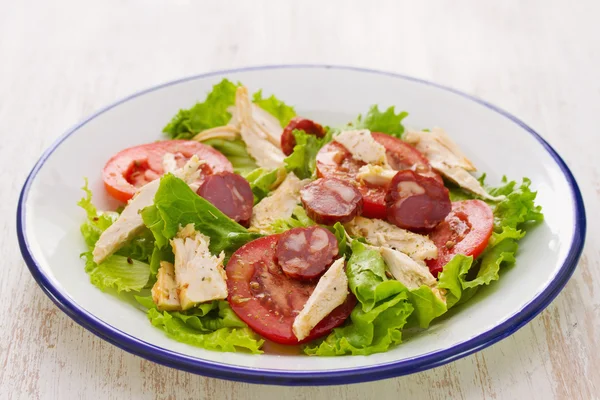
{"x":498,"y":143}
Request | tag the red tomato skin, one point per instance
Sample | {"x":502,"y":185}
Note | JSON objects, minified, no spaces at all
{"x":133,"y":167}
{"x":253,"y":265}
{"x":334,"y":161}
{"x":466,"y":230}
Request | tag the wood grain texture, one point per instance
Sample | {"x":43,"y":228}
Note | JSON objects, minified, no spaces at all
{"x":61,"y":60}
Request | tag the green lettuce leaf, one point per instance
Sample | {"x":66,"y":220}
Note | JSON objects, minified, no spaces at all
{"x":160,"y":254}
{"x":427,"y":306}
{"x":369,"y":332}
{"x":226,"y":338}
{"x":236,"y":153}
{"x":518,"y":208}
{"x":275,"y":107}
{"x":340,"y":234}
{"x":453,"y":276}
{"x":208,"y":114}
{"x":367,"y":279}
{"x":302,"y":161}
{"x":387,"y":121}
{"x":211,"y":325}
{"x":124,"y":271}
{"x":512,"y":216}
{"x":175,"y":205}
{"x":382,"y":311}
{"x":299,"y":219}
{"x":263,"y":181}
{"x":118,"y":273}
{"x":96,"y":222}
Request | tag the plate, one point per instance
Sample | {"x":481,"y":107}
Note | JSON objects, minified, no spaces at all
{"x":48,"y":219}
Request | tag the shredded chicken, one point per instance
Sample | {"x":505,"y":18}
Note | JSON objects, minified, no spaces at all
{"x":380,"y":233}
{"x":258,"y":141}
{"x":164,"y":291}
{"x":200,"y":276}
{"x":227,"y":132}
{"x":279,"y":204}
{"x":446,"y":158}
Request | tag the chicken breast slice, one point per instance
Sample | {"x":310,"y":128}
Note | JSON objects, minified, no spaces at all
{"x":199,"y":275}
{"x":279,"y":204}
{"x":362,"y":146}
{"x":227,"y":132}
{"x":259,"y":142}
{"x":380,"y":233}
{"x":409,"y":272}
{"x":267,"y":123}
{"x":130,"y":222}
{"x":446,"y":158}
{"x":164,"y":291}
{"x":331,"y":291}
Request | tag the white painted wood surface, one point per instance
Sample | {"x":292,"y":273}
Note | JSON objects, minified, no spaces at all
{"x":61,"y":60}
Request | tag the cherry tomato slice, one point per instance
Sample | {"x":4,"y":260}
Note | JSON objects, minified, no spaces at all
{"x":334,"y":161}
{"x":132,"y":168}
{"x":268,"y":300}
{"x":466,"y":230}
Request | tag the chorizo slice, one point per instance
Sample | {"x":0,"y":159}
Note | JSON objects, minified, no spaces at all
{"x":288,"y":141}
{"x":231,"y":194}
{"x":416,"y":202}
{"x":305,"y":253}
{"x":328,"y":201}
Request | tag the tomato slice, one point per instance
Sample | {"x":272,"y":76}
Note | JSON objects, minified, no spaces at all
{"x":334,"y":161}
{"x":268,"y":300}
{"x":466,"y":230}
{"x":132,"y":168}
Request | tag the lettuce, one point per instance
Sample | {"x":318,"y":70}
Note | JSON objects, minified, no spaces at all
{"x":367,"y":279}
{"x":453,"y":277}
{"x":511,"y":218}
{"x":376,"y":121}
{"x":236,"y":153}
{"x":124,"y":271}
{"x":275,"y":107}
{"x":160,"y":254}
{"x":96,"y":222}
{"x":263,"y":181}
{"x":211,"y":325}
{"x":382,"y":311}
{"x":303,"y":160}
{"x":208,"y":114}
{"x":175,"y":205}
{"x":118,"y":273}
{"x":518,"y":208}
{"x":369,"y":332}
{"x":427,"y":306}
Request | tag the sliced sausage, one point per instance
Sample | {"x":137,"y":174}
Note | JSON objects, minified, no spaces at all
{"x":305,"y":253}
{"x":328,"y":201}
{"x":401,"y":156}
{"x":231,"y":194}
{"x":288,"y":141}
{"x":416,"y":202}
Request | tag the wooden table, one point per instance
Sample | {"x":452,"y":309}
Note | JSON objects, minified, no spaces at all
{"x":60,"y":61}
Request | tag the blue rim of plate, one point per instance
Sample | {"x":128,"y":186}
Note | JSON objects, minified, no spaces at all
{"x":298,"y":378}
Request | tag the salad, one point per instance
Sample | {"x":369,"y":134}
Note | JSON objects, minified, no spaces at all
{"x":250,"y":226}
